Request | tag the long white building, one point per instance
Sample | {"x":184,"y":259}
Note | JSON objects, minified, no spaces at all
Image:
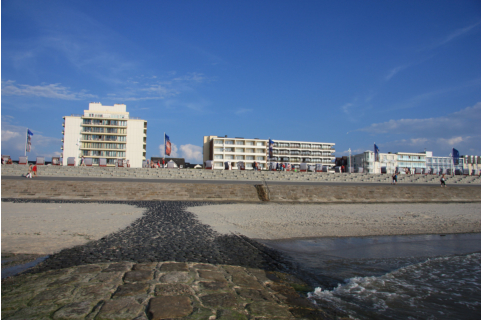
{"x":233,"y":150}
{"x":105,"y":132}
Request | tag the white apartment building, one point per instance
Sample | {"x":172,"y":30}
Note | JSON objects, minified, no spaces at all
{"x":225,"y":149}
{"x":105,"y":132}
{"x":388,"y":162}
{"x":296,"y":152}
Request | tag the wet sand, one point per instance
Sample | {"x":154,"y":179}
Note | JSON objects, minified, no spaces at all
{"x":46,"y":228}
{"x":288,"y":221}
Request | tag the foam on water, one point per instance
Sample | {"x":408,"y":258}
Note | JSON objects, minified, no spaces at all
{"x":438,"y":288}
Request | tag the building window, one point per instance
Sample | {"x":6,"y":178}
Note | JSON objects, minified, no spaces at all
{"x":260,"y":158}
{"x":239,"y":143}
{"x":250,"y":150}
{"x":239,"y":150}
{"x":250,"y":143}
{"x":229,"y":149}
{"x":249,"y":158}
{"x":218,"y":156}
{"x":260,"y":143}
{"x":218,"y":142}
{"x":239,"y":157}
{"x":229,"y":142}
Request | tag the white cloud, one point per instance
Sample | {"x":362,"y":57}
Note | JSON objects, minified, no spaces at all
{"x":13,"y":142}
{"x":242,"y":111}
{"x":465,"y":121}
{"x":174,"y":153}
{"x":458,"y":130}
{"x":53,"y":91}
{"x":191,"y":153}
{"x":7,"y":135}
{"x":453,"y":35}
{"x":394,"y":71}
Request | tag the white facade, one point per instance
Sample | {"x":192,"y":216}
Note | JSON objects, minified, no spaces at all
{"x":105,"y":132}
{"x":297,"y":152}
{"x":233,"y":150}
{"x":390,"y":161}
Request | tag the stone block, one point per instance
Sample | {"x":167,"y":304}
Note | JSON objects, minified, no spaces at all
{"x":168,"y":307}
{"x":74,"y":310}
{"x":176,"y":277}
{"x":211,"y":275}
{"x":173,"y":289}
{"x":174,"y":266}
{"x":120,"y":309}
{"x":138,"y":276}
{"x":225,"y":300}
{"x":131,"y":289}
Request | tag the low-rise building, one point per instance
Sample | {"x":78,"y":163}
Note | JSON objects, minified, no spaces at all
{"x":233,"y":150}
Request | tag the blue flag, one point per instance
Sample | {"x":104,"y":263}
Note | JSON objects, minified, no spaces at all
{"x":455,"y":157}
{"x":376,"y":153}
{"x":168,"y":146}
{"x":28,"y":147}
{"x":271,"y":144}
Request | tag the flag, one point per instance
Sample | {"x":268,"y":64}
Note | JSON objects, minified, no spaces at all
{"x":376,"y":153}
{"x":168,"y":146}
{"x":455,"y":157}
{"x":29,"y":140}
{"x":271,"y":144}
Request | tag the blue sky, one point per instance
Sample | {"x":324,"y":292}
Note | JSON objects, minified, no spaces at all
{"x":403,"y":74}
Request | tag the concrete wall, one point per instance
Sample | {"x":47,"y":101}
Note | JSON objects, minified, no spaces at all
{"x":38,"y":189}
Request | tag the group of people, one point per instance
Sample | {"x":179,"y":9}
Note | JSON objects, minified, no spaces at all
{"x":8,"y":161}
{"x":156,"y":164}
{"x":442,"y":180}
{"x":32,"y":169}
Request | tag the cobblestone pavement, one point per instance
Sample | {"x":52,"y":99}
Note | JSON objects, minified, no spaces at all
{"x":157,"y":290}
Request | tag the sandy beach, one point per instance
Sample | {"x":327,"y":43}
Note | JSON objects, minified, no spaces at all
{"x":46,"y":228}
{"x":285,"y":221}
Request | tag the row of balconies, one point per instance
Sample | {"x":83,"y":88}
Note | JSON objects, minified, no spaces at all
{"x":298,"y":160}
{"x":301,"y":146}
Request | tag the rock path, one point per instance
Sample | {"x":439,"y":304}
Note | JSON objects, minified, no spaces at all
{"x":157,"y":290}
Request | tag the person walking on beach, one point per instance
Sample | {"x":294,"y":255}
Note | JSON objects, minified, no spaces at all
{"x":34,"y":170}
{"x":29,"y":174}
{"x":393,"y":178}
{"x":443,"y":181}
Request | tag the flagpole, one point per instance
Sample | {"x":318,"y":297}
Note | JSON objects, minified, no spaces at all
{"x":164,"y":146}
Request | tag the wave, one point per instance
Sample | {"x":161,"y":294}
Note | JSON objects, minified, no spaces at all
{"x":435,"y":288}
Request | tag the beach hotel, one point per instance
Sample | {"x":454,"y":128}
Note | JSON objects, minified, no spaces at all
{"x":233,"y":150}
{"x":420,"y":162}
{"x":102,"y":135}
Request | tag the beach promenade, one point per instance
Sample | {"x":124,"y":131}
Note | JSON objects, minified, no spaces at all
{"x":186,"y":249}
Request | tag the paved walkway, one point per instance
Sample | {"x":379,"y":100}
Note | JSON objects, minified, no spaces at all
{"x":166,"y":290}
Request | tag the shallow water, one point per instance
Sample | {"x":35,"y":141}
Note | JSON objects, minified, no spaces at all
{"x":393,"y":277}
{"x":16,"y":269}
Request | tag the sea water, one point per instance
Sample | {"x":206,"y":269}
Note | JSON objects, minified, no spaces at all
{"x":394,"y":277}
